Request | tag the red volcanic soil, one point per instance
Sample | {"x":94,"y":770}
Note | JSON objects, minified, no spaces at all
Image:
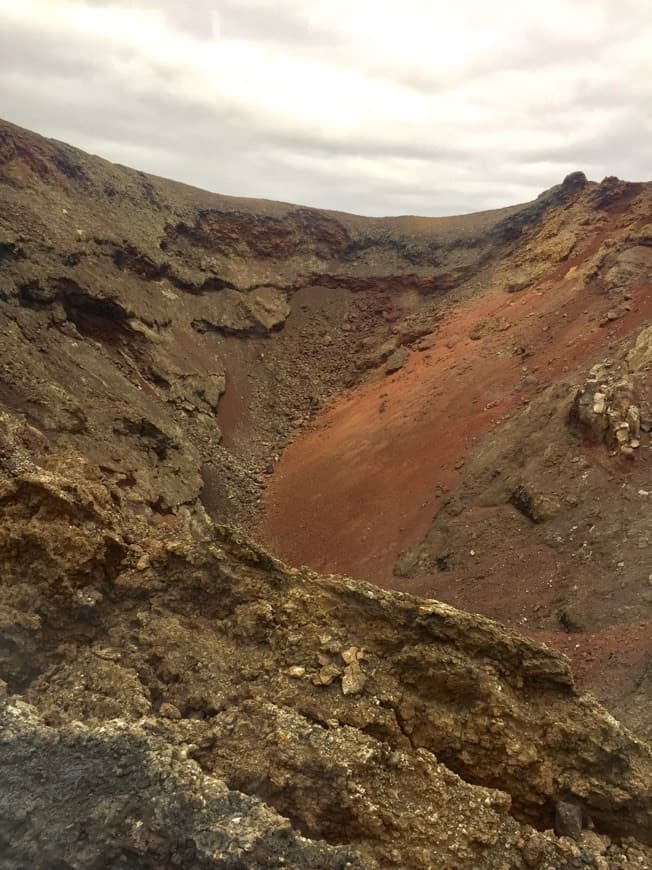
{"x":363,"y":484}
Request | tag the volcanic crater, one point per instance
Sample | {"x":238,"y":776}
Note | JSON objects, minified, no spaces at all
{"x":325,"y":539}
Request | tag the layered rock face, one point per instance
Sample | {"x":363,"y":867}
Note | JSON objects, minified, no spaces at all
{"x":174,"y":696}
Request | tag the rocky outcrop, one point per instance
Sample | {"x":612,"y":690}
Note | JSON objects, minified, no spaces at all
{"x":402,"y":730}
{"x":639,"y":357}
{"x":165,"y":813}
{"x":397,"y":360}
{"x":606,"y":408}
{"x":257,"y":312}
{"x":611,"y":407}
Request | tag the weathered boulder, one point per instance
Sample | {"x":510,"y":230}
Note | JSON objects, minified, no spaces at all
{"x":640,"y":355}
{"x":397,"y":360}
{"x":632,"y":266}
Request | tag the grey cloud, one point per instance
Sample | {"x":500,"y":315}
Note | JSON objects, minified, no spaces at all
{"x":270,"y":24}
{"x":147,"y":108}
{"x":261,"y":22}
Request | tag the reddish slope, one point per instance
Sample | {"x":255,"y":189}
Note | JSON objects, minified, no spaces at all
{"x":363,"y":485}
{"x":365,"y":482}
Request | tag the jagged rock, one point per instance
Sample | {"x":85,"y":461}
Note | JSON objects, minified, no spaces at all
{"x":427,"y":343}
{"x":198,"y":390}
{"x":120,"y":795}
{"x":640,"y":356}
{"x":537,"y":507}
{"x":575,"y":180}
{"x":632,"y":266}
{"x":609,"y":317}
{"x":353,"y":678}
{"x":548,"y":247}
{"x":380,"y":354}
{"x":605,"y":407}
{"x":487,"y":327}
{"x":235,"y":313}
{"x":397,"y":360}
{"x":568,"y":819}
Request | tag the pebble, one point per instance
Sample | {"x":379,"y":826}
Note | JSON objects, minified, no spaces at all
{"x":169,"y":711}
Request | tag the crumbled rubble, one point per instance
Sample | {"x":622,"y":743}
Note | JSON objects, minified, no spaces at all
{"x":606,"y":408}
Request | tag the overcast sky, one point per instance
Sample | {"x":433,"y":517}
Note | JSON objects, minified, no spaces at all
{"x":417,"y":106}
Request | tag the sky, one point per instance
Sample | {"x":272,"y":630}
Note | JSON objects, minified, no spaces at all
{"x":415,"y":107}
